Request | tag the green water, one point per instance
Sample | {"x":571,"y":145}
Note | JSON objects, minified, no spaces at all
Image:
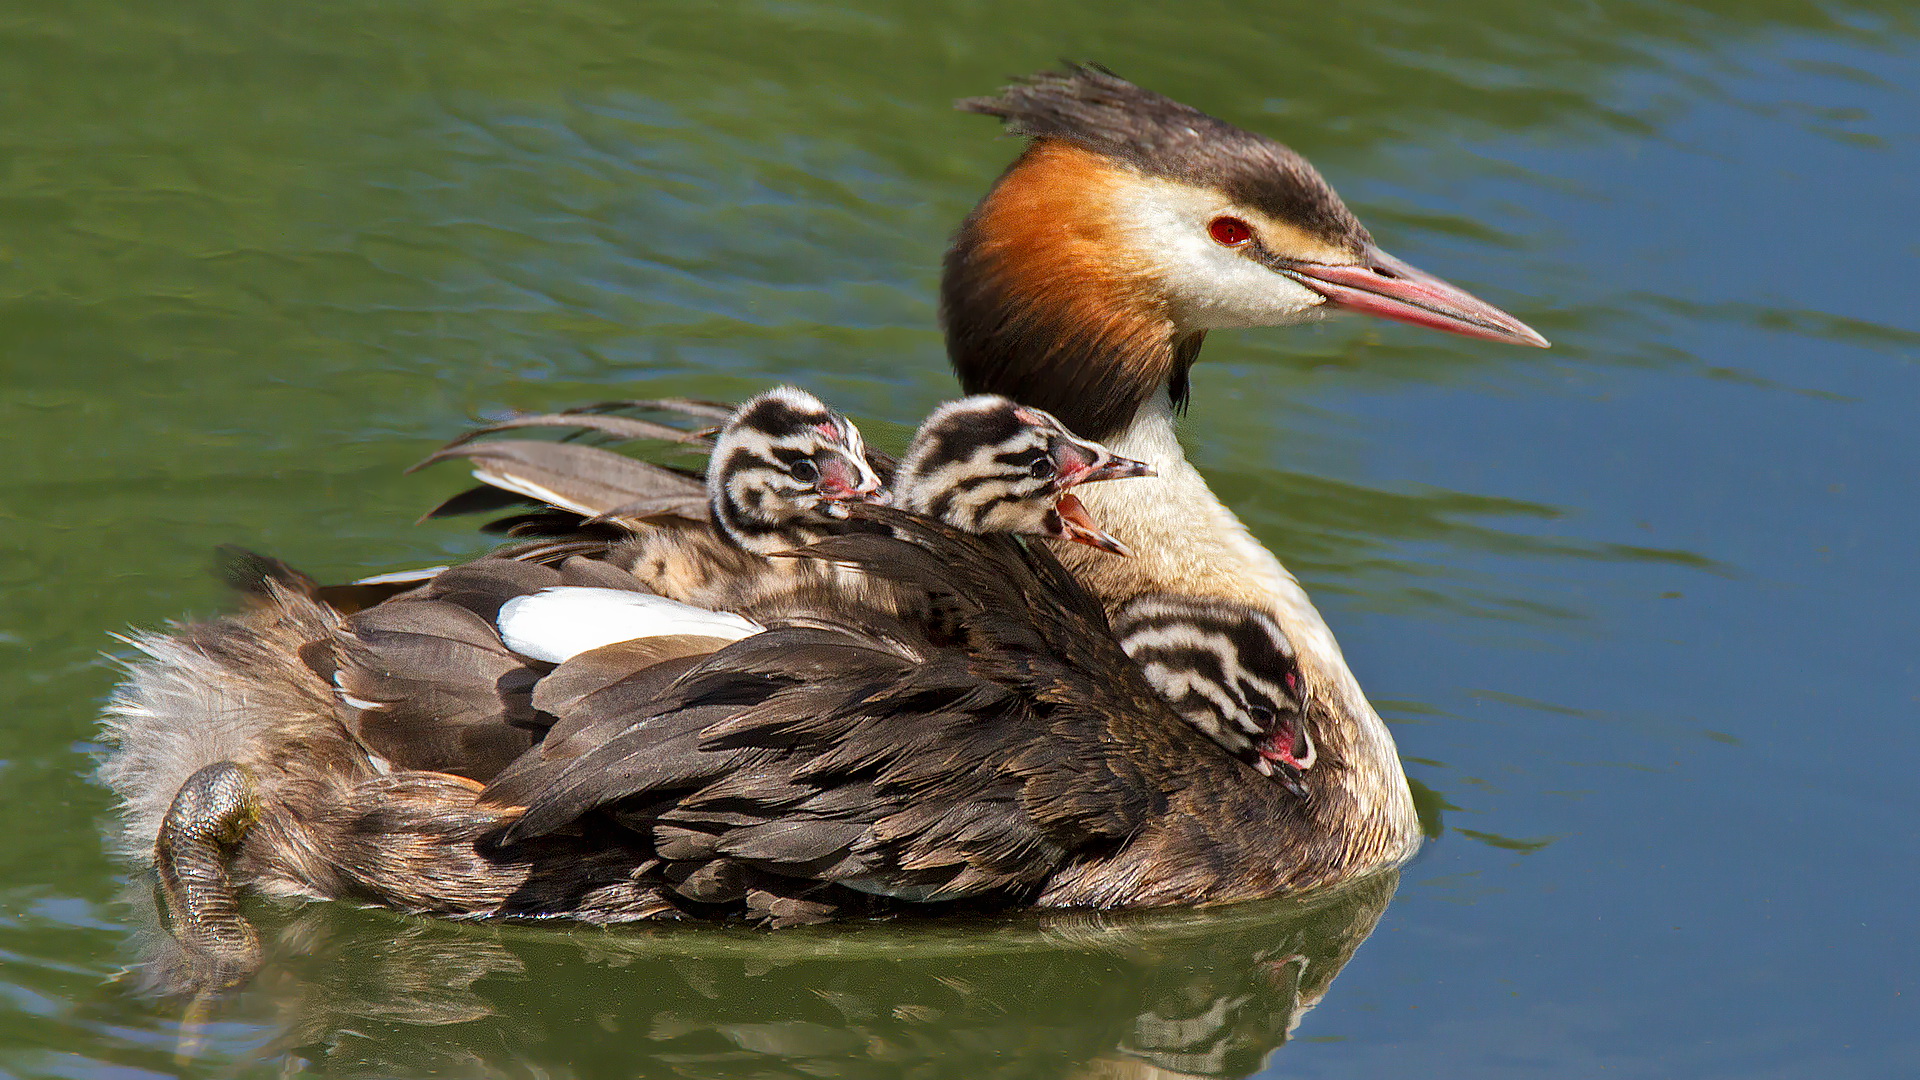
{"x":1642,"y":609}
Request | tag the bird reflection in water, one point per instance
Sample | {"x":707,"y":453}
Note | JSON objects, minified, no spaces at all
{"x":1180,"y":993}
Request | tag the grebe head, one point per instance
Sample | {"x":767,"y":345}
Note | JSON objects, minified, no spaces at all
{"x":1228,"y":669}
{"x":987,"y":465}
{"x":1131,"y":226}
{"x":783,"y":469}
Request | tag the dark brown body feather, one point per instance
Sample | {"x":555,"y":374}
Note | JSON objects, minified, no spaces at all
{"x":424,"y":680}
{"x":1000,"y":752}
{"x":1004,"y":752}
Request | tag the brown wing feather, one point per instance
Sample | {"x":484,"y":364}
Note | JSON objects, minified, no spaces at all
{"x":596,"y":695}
{"x":929,"y":772}
{"x":427,"y":685}
{"x":625,"y":428}
{"x":583,"y":479}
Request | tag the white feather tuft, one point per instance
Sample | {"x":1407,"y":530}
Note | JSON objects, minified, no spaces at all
{"x":559,"y":623}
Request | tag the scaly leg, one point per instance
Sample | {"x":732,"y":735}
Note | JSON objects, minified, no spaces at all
{"x":203,"y":827}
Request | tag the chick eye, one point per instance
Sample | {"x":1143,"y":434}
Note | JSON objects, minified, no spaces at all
{"x":1042,"y":468}
{"x":804,"y":471}
{"x":1229,"y":231}
{"x":1260,"y":715}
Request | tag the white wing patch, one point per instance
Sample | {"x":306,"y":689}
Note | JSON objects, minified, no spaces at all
{"x":559,"y":623}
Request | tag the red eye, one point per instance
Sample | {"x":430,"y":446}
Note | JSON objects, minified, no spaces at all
{"x":1229,"y":231}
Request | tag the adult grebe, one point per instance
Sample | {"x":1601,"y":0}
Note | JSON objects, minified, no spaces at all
{"x":1082,"y":284}
{"x":1085,"y":282}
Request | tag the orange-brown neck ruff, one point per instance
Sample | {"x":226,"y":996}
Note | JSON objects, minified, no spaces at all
{"x":1042,"y":301}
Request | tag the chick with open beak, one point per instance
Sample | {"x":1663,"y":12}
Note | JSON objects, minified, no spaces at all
{"x":987,"y":464}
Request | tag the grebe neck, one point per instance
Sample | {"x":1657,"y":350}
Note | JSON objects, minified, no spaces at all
{"x":1041,"y":303}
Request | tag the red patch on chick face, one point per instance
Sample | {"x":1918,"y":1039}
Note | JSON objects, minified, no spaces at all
{"x":1282,"y":743}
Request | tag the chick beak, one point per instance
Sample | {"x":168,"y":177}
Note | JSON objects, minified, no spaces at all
{"x":1115,"y":467}
{"x":1078,"y":526}
{"x":843,"y":481}
{"x":1382,"y":285}
{"x":1285,"y":773}
{"x":1285,"y":754}
{"x":1078,"y":461}
{"x":1290,"y":777}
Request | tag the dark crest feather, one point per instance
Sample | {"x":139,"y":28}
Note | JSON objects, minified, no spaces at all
{"x":1091,"y":106}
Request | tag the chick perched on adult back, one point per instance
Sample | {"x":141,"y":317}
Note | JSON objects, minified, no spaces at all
{"x":984,"y":464}
{"x":786,"y":472}
{"x":782,"y":469}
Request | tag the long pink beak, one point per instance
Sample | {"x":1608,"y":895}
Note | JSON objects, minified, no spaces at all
{"x":1383,"y":285}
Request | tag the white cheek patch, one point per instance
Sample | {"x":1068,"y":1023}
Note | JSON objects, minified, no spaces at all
{"x":1213,"y":287}
{"x":557,"y":624}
